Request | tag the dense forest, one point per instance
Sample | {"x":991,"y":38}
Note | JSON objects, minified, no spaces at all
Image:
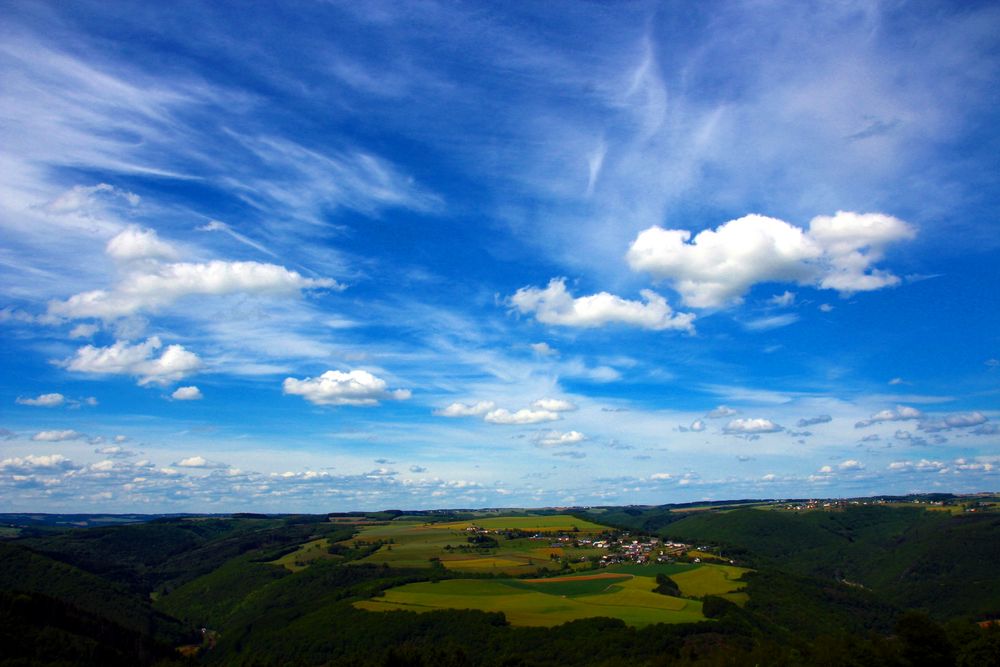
{"x":868,"y":585}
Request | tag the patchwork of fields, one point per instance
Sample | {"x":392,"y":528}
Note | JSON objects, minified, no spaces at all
{"x":624,"y":592}
{"x":415,"y":544}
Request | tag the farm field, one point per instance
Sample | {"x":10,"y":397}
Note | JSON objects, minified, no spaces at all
{"x":305,"y":555}
{"x":546,"y":602}
{"x":415,"y":544}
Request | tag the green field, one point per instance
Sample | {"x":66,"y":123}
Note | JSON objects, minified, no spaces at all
{"x":546,"y":602}
{"x":414,"y":544}
{"x":718,"y":580}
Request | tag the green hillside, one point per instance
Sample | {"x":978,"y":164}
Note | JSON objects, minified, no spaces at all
{"x":910,"y":557}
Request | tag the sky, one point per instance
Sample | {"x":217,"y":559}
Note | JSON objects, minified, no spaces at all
{"x":329,"y":256}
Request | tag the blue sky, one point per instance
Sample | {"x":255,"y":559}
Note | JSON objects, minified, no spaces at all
{"x":331,"y":256}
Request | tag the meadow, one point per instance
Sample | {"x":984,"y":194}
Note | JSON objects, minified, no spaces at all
{"x":546,"y":602}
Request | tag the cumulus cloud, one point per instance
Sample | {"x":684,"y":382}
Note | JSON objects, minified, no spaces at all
{"x":661,"y":476}
{"x":417,"y":469}
{"x":720,"y":412}
{"x":949,"y":422}
{"x":923,"y":465}
{"x":31,"y":463}
{"x":199,"y":462}
{"x":463,"y":410}
{"x":553,"y":405}
{"x":339,"y":388}
{"x":138,"y":360}
{"x":851,"y":464}
{"x":751,"y":426}
{"x":556,"y":439}
{"x":191,"y":393}
{"x":164,"y":284}
{"x":136,"y":243}
{"x":522,"y":416}
{"x":53,"y":400}
{"x":900,"y":413}
{"x":555,"y":305}
{"x":979,"y":465}
{"x":810,"y":421}
{"x":56,"y":436}
{"x":719,"y":266}
{"x":697,"y":426}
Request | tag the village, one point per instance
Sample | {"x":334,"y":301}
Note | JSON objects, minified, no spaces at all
{"x":620,"y":547}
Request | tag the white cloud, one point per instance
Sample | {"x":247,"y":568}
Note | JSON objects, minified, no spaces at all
{"x":825,"y":307}
{"x":463,"y":410}
{"x":719,"y":266}
{"x":523,"y":416}
{"x":949,"y":422}
{"x":553,"y":405}
{"x":136,"y":243}
{"x":752,"y":426}
{"x":555,"y":438}
{"x":900,"y":413}
{"x":555,"y":305}
{"x":166,"y":283}
{"x":417,"y":469}
{"x":56,"y":436}
{"x":339,"y":388}
{"x":544,"y":350}
{"x":923,"y":465}
{"x":43,"y":401}
{"x":782,"y":300}
{"x":851,"y":464}
{"x":661,"y":476}
{"x":721,"y":411}
{"x":137,"y":360}
{"x":980,"y":464}
{"x":896,"y":381}
{"x":199,"y":462}
{"x":30,"y":463}
{"x":84,"y":330}
{"x":114,"y":451}
{"x":697,"y":426}
{"x":773,"y":322}
{"x":769,"y":477}
{"x":191,"y":393}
